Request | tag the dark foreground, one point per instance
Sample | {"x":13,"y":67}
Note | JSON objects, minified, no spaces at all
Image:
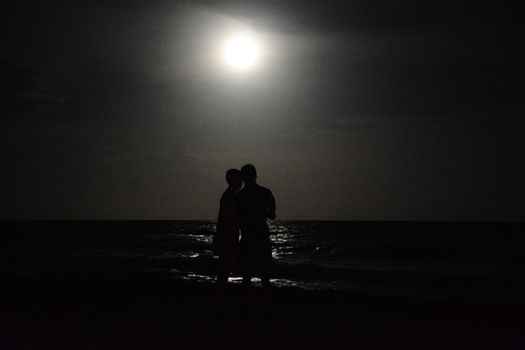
{"x":154,"y":312}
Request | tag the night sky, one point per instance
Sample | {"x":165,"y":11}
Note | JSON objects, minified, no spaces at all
{"x":405,"y":110}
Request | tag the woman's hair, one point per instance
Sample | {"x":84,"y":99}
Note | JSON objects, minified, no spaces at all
{"x":232,"y":175}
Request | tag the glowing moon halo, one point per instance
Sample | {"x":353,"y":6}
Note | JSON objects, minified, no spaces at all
{"x":241,"y":52}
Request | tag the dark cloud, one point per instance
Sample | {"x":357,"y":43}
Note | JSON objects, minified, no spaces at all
{"x":24,"y":92}
{"x":371,"y":16}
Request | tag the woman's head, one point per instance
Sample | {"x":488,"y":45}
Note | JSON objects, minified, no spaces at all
{"x":233,"y":178}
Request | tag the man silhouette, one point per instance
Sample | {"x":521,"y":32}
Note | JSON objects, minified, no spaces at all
{"x":255,"y":205}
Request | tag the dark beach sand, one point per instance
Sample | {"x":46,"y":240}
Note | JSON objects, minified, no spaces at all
{"x":150,"y":311}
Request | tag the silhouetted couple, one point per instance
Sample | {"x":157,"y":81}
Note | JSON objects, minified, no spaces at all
{"x":244,"y":211}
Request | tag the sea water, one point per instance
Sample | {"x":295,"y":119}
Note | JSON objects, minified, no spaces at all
{"x":424,"y":259}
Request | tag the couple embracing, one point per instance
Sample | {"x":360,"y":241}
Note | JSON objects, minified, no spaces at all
{"x":244,"y":212}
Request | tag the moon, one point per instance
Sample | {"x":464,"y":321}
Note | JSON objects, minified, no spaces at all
{"x":241,"y":52}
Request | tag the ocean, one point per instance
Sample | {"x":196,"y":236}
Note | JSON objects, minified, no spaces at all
{"x":473,"y":260}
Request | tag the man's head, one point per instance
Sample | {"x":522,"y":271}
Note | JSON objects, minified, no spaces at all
{"x":248,"y":174}
{"x":233,"y":178}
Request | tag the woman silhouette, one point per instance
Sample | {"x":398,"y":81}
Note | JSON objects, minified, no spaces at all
{"x":226,"y":238}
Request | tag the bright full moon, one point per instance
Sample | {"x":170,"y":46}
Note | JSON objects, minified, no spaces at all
{"x":241,"y":52}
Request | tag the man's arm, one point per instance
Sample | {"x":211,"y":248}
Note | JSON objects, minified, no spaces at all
{"x":270,"y":211}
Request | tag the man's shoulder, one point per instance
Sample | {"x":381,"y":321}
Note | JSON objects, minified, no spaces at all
{"x":264,"y":190}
